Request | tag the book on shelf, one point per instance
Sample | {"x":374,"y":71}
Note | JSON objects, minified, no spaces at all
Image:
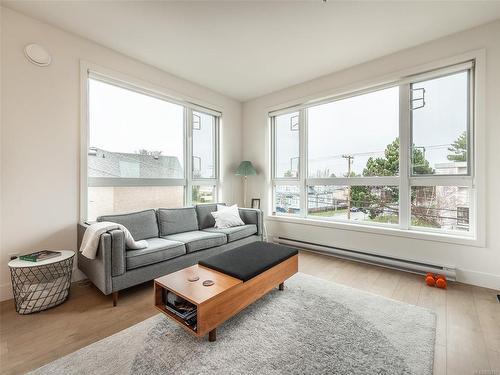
{"x":38,"y":256}
{"x":191,"y":322}
{"x":179,"y":306}
{"x":184,"y":316}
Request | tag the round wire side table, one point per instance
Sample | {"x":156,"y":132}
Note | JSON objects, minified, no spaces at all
{"x":41,"y":285}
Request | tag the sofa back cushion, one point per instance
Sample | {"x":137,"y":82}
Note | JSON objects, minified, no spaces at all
{"x":204,"y":212}
{"x":177,"y":220}
{"x":141,"y":225}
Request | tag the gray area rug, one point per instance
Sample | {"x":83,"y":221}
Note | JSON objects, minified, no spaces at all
{"x":313,"y":327}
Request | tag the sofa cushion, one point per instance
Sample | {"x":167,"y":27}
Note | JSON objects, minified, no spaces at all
{"x":227,"y":217}
{"x":141,"y":225}
{"x":235,"y":233}
{"x":158,"y":250}
{"x":204,"y":212}
{"x":177,"y":220}
{"x":198,"y":240}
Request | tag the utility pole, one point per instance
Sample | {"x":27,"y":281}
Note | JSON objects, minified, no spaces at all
{"x":349,"y":162}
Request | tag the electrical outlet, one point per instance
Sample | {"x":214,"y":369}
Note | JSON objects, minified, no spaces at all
{"x":13,"y":256}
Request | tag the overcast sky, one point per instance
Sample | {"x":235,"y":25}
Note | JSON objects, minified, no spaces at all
{"x":126,"y":121}
{"x":364,"y":125}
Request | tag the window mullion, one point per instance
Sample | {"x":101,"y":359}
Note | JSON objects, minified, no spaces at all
{"x":188,"y":146}
{"x":471,"y":160}
{"x":303,"y":161}
{"x":204,"y":182}
{"x":355,"y":181}
{"x":437,"y":180}
{"x":280,"y":181}
{"x":273,"y":148}
{"x":217,"y":157}
{"x":133,"y":182}
{"x":404,"y":156}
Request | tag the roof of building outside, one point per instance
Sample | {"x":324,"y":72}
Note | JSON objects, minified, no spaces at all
{"x":102,"y":163}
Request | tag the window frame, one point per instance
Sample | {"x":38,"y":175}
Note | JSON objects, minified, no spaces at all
{"x":91,"y":71}
{"x":474,"y":64}
{"x":470,"y":123}
{"x":273,"y":165}
{"x":191,"y":181}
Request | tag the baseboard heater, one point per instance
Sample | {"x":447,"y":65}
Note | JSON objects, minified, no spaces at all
{"x":379,"y":260}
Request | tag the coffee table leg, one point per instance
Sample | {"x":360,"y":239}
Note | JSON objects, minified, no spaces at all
{"x":281,"y":286}
{"x":212,"y":335}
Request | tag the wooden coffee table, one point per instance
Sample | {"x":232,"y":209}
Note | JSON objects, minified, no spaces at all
{"x":219,"y":302}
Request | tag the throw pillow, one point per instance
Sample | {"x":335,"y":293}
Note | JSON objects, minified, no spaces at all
{"x":227,"y":217}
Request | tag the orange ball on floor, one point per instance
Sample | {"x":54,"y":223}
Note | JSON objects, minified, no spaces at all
{"x":429,"y":280}
{"x":441,"y":283}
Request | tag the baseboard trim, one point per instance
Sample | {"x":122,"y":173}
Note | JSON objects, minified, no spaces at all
{"x":466,"y":276}
{"x":483,"y":279}
{"x":476,"y":278}
{"x":6,"y":292}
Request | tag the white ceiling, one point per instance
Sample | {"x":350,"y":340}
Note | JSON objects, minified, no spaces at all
{"x":247,"y":49}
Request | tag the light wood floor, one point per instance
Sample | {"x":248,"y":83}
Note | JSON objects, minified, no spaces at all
{"x":468,"y":328}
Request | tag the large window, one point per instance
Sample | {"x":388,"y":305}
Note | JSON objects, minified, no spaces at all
{"x":398,"y":156}
{"x":440,"y":122}
{"x":204,"y":156}
{"x":344,"y":137}
{"x":286,"y":129}
{"x":139,"y":150}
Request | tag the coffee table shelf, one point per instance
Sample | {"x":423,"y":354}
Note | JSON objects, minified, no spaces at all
{"x":217,"y":303}
{"x":175,"y":317}
{"x":193,"y":292}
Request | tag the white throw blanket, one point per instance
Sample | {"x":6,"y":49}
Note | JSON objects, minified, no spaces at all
{"x":92,"y":235}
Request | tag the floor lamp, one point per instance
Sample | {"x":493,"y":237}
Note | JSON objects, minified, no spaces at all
{"x":245,"y":169}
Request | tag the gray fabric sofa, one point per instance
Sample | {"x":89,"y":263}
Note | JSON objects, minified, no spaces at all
{"x":177,"y":238}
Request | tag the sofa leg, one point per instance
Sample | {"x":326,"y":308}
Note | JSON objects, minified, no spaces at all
{"x":115,"y":299}
{"x":281,"y":286}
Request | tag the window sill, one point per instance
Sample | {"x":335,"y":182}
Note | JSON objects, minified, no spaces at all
{"x":381,"y":230}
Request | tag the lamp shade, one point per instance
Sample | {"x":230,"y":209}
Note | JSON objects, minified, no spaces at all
{"x":246,"y":169}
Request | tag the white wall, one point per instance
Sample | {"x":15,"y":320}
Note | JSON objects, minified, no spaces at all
{"x":40,"y":134}
{"x":475,"y":265}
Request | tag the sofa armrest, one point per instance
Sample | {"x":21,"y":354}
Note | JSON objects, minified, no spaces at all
{"x":252,"y":216}
{"x":109,"y":261}
{"x":118,"y":251}
{"x":81,"y":228}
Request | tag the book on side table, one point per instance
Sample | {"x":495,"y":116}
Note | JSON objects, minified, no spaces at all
{"x":38,"y":256}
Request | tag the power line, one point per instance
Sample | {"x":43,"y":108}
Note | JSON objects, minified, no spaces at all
{"x":374,"y":153}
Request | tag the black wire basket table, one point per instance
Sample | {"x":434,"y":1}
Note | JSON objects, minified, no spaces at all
{"x":41,"y":285}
